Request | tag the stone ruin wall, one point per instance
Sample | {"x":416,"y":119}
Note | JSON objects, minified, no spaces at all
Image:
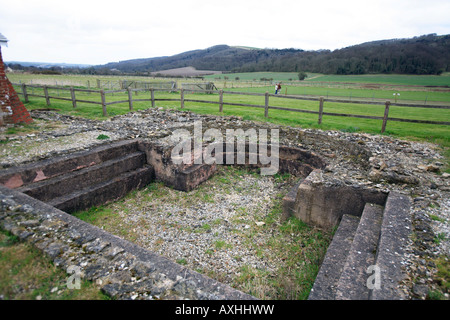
{"x":12,"y":109}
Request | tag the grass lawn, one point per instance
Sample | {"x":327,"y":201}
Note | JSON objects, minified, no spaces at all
{"x":389,"y":79}
{"x":25,"y":274}
{"x":392,"y":79}
{"x":355,"y":93}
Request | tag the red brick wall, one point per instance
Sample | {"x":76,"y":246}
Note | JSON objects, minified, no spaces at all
{"x":9,"y":98}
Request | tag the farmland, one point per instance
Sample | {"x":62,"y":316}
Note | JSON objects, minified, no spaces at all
{"x":421,"y":90}
{"x":391,"y":79}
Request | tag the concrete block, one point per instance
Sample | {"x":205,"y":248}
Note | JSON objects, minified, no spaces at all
{"x":322,"y":204}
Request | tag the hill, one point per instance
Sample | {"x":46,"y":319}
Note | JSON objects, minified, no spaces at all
{"x":217,"y":58}
{"x":184,"y":72}
{"x":46,"y":65}
{"x":427,"y":54}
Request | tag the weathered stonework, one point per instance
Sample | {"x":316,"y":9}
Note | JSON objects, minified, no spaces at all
{"x":10,"y":104}
{"x":120,"y":268}
{"x":322,"y":203}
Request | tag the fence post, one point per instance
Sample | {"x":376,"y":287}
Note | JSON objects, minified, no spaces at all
{"x":47,"y":98}
{"x":152,"y":93}
{"x":266,"y":107}
{"x":130,"y":98}
{"x":74,"y":101}
{"x":385,"y":118}
{"x":182,"y":98}
{"x":220,"y":100}
{"x":320,"y":110}
{"x":102,"y":94}
{"x":24,"y":91}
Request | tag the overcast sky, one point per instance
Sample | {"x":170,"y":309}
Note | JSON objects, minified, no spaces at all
{"x":98,"y":32}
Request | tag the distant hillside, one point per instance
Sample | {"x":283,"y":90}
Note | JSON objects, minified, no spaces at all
{"x":429,"y":54}
{"x":217,"y":58}
{"x":184,"y":72}
{"x":44,"y":65}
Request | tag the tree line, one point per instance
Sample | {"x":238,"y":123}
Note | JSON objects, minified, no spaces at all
{"x":427,"y":54}
{"x":422,"y":55}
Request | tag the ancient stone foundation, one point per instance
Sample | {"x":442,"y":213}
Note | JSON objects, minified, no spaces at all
{"x":372,"y":226}
{"x":37,"y":197}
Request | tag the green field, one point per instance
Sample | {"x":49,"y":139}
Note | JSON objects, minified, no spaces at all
{"x":419,"y":96}
{"x":389,"y":79}
{"x":289,"y":77}
{"x":256,"y":76}
{"x":417,"y":93}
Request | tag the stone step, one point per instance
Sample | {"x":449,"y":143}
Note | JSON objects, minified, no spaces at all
{"x":330,"y":271}
{"x":352,"y":284}
{"x":67,"y":183}
{"x":189,"y":178}
{"x":392,"y":248}
{"x":101,"y":193}
{"x":289,"y":201}
{"x":23,"y":175}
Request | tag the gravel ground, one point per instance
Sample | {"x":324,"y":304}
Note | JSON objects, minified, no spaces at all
{"x":206,"y":235}
{"x":222,"y":229}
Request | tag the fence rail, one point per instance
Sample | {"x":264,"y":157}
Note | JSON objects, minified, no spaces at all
{"x":130,"y":100}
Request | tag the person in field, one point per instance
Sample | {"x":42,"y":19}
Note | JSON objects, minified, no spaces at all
{"x":277,"y":88}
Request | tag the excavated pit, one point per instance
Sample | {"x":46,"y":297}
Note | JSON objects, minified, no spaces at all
{"x":80,"y":180}
{"x":76,"y":181}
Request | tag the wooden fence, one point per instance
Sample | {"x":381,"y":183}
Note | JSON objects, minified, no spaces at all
{"x":130,"y":100}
